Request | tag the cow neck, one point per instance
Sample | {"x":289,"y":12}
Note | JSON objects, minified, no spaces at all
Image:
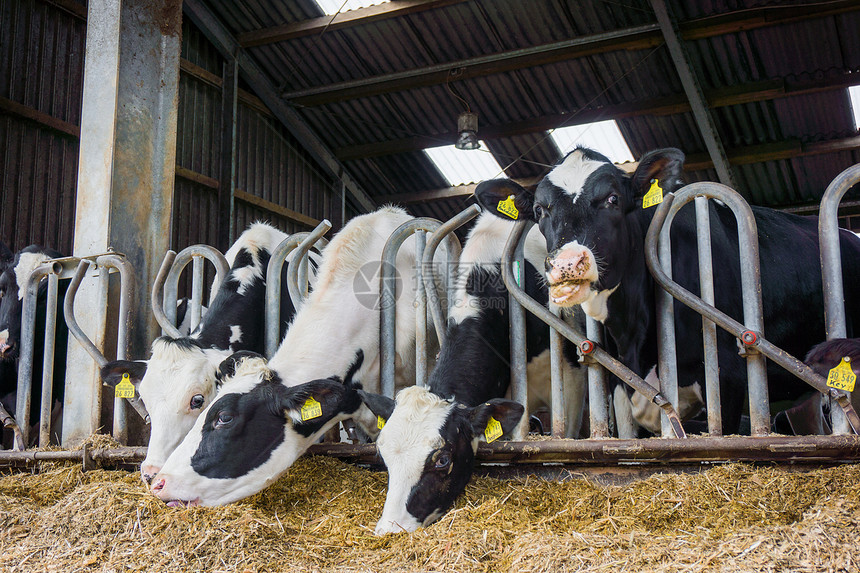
{"x":630,"y":321}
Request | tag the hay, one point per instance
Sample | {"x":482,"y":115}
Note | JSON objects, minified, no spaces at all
{"x":321,"y":515}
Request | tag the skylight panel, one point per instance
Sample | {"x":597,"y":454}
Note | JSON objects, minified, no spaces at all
{"x":602,"y":136}
{"x":331,"y":7}
{"x":463,"y":167}
{"x":854,"y":94}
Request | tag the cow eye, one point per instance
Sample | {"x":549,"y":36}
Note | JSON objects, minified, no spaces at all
{"x":612,"y":199}
{"x":223,"y":419}
{"x":540,"y":212}
{"x":443,"y":460}
{"x":197,"y":401}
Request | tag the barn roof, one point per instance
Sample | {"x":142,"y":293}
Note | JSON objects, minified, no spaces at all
{"x":377,"y":85}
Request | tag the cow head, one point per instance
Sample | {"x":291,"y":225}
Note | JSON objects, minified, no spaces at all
{"x":176,"y":384}
{"x":13,"y":281}
{"x":428,"y":444}
{"x":591,"y":214}
{"x":252,"y":433}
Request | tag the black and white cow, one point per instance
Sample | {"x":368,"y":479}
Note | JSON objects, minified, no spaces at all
{"x":12,"y":286}
{"x":338,"y":322}
{"x":179,"y":380}
{"x":591,"y":214}
{"x":430,"y":437}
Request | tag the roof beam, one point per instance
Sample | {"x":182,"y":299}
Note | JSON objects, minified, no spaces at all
{"x":218,"y":34}
{"x":786,"y":149}
{"x":699,"y":107}
{"x":339,"y":21}
{"x":735,"y":95}
{"x":636,"y":38}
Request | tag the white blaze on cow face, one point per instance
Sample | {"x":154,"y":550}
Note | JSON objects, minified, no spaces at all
{"x":179,"y":382}
{"x":27,"y":263}
{"x":570,"y":175}
{"x":407,"y":441}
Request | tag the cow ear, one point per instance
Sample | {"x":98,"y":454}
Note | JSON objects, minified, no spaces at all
{"x":228,"y":366}
{"x":663,"y":166}
{"x":318,"y":399}
{"x":112,"y":372}
{"x":506,"y":199}
{"x":380,"y":405}
{"x":497,"y":415}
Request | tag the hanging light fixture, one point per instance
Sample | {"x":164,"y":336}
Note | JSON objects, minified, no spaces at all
{"x":467,"y":131}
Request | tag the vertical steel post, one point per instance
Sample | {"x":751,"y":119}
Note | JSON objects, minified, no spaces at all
{"x":709,"y":329}
{"x":196,"y":293}
{"x":420,"y":311}
{"x":667,"y":363}
{"x":598,"y":412}
{"x":517,"y":320}
{"x":299,"y":261}
{"x":48,"y":362}
{"x":556,"y":360}
{"x":831,"y":270}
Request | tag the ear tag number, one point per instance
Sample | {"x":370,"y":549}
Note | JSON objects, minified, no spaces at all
{"x":312,"y":409}
{"x":654,"y":196}
{"x":509,"y":208}
{"x":493,"y":431}
{"x":125,"y":389}
{"x":842,"y":377}
{"x":380,"y":422}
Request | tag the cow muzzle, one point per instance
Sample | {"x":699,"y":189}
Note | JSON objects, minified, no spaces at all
{"x":570,"y":270}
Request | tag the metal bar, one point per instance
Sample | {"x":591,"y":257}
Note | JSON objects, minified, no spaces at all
{"x":518,"y":343}
{"x":48,"y":361}
{"x":612,"y":364}
{"x":273,"y":290}
{"x":694,"y":449}
{"x":667,"y":360}
{"x":420,"y":311}
{"x":28,"y":341}
{"x":726,"y":322}
{"x":698,"y":104}
{"x":295,"y":263}
{"x":171,"y":282}
{"x":167,"y":326}
{"x":831,"y":268}
{"x":556,"y":360}
{"x":447,"y":229}
{"x":196,"y":293}
{"x":709,"y":329}
{"x":72,"y":321}
{"x":388,"y":297}
{"x":598,"y":406}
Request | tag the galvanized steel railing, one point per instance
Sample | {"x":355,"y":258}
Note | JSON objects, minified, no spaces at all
{"x":750,"y":335}
{"x":831,"y":269}
{"x":297,"y":279}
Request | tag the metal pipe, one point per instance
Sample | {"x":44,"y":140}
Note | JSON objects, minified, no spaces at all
{"x":28,"y":341}
{"x":185,"y":256}
{"x":518,"y":342}
{"x":750,"y":338}
{"x":613,"y":365}
{"x":667,"y":360}
{"x":420,"y":311}
{"x":750,"y":284}
{"x":447,"y":229}
{"x":709,"y":329}
{"x":556,"y":377}
{"x":388,"y":298}
{"x":196,"y":294}
{"x":831,"y":268}
{"x":598,"y":404}
{"x":48,"y":361}
{"x":295,"y":289}
{"x":155,"y":300}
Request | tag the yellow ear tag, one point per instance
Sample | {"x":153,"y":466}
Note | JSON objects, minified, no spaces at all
{"x":842,"y":377}
{"x":654,"y":196}
{"x":125,"y":389}
{"x":312,"y":409}
{"x":380,"y":422}
{"x":509,"y":208}
{"x":493,"y":431}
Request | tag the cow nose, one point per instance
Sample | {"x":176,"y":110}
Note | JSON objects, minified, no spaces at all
{"x":148,"y":472}
{"x":567,"y":264}
{"x":157,"y":486}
